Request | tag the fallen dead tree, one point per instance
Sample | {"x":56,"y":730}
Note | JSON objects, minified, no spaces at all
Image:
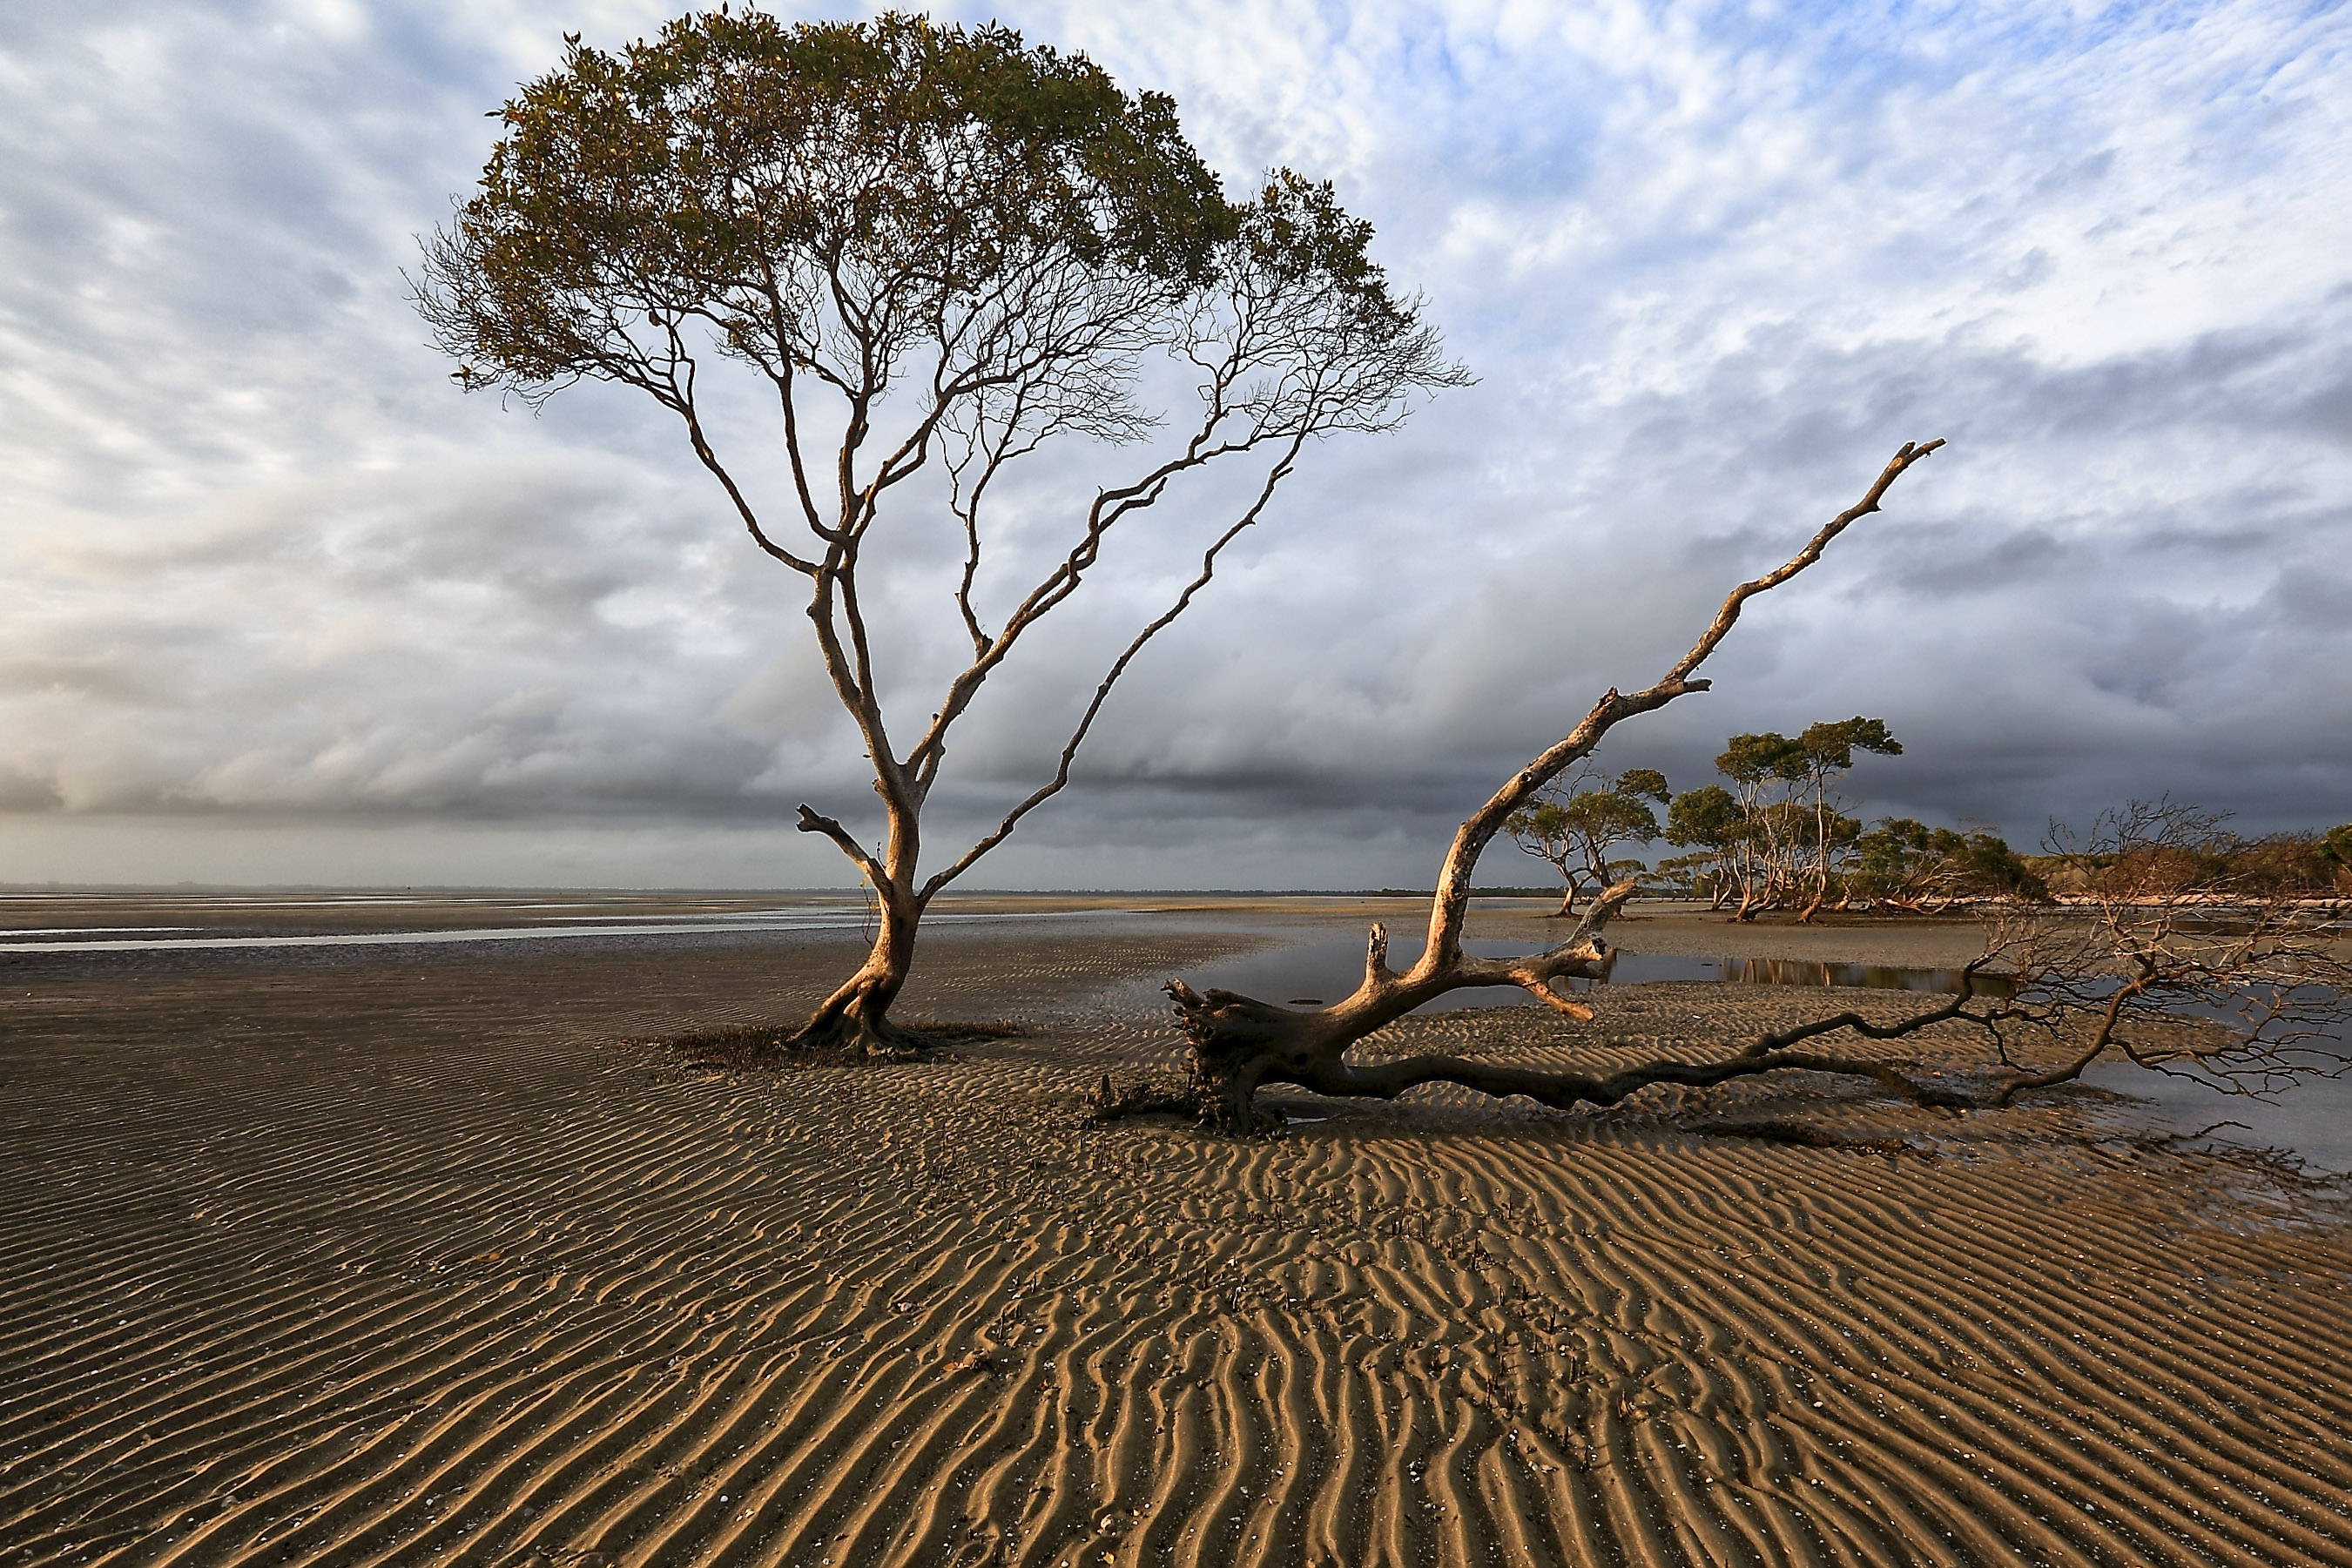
{"x":2074,"y":989}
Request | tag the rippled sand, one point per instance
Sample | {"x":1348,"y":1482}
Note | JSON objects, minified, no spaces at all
{"x":402,"y":1259}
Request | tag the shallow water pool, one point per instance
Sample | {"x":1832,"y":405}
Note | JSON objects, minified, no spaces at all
{"x":1315,"y":973}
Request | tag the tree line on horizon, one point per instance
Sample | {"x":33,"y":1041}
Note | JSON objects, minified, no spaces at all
{"x":1775,"y":835}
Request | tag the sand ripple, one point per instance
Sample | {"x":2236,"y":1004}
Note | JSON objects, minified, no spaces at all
{"x":333,"y":1266}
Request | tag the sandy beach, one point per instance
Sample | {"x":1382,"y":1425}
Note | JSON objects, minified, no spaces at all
{"x":396,"y":1255}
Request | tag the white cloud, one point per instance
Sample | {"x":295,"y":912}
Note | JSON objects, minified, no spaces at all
{"x":1713,"y":262}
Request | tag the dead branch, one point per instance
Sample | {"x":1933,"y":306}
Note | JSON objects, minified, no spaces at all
{"x":1239,"y":1042}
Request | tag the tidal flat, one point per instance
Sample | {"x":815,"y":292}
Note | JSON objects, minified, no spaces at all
{"x":368,"y":1228}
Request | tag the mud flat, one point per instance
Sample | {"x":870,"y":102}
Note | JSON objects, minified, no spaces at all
{"x":386,"y":1254}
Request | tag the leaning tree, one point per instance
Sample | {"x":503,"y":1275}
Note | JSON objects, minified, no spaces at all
{"x":2167,"y":923}
{"x":1574,"y":823}
{"x":933,"y":251}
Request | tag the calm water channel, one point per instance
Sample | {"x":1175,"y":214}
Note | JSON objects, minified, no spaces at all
{"x":1318,"y":972}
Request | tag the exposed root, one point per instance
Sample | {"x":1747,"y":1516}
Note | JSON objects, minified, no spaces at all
{"x":1109,"y":1102}
{"x":847,"y":1043}
{"x":1208,"y":1102}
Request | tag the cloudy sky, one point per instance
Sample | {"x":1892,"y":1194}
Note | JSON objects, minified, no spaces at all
{"x":282,"y":604}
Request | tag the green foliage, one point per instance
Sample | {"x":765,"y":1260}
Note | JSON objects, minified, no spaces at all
{"x":1708,"y":817}
{"x":829,"y":199}
{"x":1576,"y":826}
{"x":756,"y":174}
{"x":1756,"y":762}
{"x":1751,"y":760}
{"x":969,"y":245}
{"x":1685,"y":877}
{"x":1903,"y":862}
{"x":966,"y":244}
{"x":1776,"y":831}
{"x":1643,"y":784}
{"x":2166,"y":849}
{"x":1825,"y":748}
{"x":1830,"y":747}
{"x":2279,"y":865}
{"x":1605,"y":817}
{"x":2331,"y":856}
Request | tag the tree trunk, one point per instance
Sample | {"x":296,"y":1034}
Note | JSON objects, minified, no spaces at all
{"x":1821,"y":852}
{"x":1239,"y":1043}
{"x":856,"y":1016}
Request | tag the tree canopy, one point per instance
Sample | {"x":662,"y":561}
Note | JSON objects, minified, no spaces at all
{"x":1906,"y":864}
{"x":1777,"y":835}
{"x":1574,"y":824}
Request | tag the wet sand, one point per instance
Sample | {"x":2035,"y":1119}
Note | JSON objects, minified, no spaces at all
{"x":396,"y":1255}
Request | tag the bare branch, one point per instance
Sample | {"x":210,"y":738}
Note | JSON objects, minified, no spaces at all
{"x":1044,"y":792}
{"x":1453,"y":898}
{"x":1956,"y":1007}
{"x":2160,"y":925}
{"x":811,"y":823}
{"x":709,"y":460}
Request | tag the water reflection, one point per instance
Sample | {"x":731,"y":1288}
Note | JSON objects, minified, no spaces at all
{"x":1641,"y":968}
{"x":1314,"y":974}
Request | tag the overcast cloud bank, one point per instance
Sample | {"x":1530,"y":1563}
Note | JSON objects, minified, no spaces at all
{"x":284,"y":605}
